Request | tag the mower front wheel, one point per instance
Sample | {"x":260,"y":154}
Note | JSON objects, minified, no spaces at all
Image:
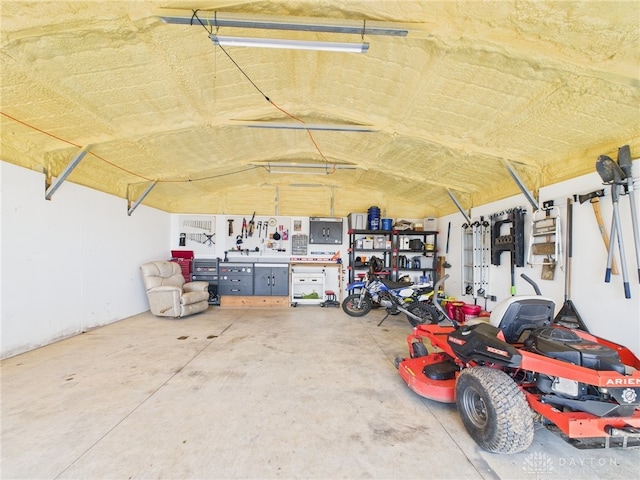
{"x":494,"y":410}
{"x":418,"y":349}
{"x":356,"y":306}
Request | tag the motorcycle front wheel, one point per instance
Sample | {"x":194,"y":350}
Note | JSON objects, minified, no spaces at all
{"x":356,"y":306}
{"x":427,"y":313}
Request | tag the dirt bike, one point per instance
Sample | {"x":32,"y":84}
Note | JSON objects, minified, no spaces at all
{"x":521,"y":362}
{"x":396,"y":297}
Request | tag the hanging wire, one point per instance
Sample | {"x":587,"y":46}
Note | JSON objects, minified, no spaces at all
{"x":143,"y":177}
{"x":315,"y":144}
{"x":195,"y":15}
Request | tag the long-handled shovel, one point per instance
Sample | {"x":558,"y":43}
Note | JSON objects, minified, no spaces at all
{"x":624,"y":160}
{"x":612,"y":174}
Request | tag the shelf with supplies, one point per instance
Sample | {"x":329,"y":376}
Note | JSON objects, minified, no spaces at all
{"x":402,"y":252}
{"x":364,"y":244}
{"x":415,"y":255}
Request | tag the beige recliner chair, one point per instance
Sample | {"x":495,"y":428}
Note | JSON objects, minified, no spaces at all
{"x":169,"y":295}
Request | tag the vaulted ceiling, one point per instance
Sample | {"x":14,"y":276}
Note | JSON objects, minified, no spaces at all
{"x":473,"y":88}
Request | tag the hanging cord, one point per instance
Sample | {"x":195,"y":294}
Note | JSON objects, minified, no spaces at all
{"x":148,"y":179}
{"x":333,"y":169}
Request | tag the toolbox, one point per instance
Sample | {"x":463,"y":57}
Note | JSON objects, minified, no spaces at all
{"x":184,"y":258}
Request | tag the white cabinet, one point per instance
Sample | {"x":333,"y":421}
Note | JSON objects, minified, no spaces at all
{"x":307,"y":288}
{"x":315,"y":282}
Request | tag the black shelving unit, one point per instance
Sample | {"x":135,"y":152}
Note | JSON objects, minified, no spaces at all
{"x":415,"y":251}
{"x":397,"y":253}
{"x":363,"y":244}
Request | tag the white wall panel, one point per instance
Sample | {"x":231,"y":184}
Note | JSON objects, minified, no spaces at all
{"x":72,"y":263}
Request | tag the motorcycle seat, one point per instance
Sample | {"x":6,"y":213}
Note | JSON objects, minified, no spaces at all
{"x":393,"y":285}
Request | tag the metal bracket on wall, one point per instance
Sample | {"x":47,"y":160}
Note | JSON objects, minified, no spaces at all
{"x":51,"y":188}
{"x":455,"y":200}
{"x":131,"y":208}
{"x":528,"y":195}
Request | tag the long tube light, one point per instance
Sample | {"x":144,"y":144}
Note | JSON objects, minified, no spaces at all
{"x":328,"y":127}
{"x":225,"y":41}
{"x":304,"y":168}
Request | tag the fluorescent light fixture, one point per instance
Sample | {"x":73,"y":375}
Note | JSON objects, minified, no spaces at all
{"x":329,"y":127}
{"x":303,"y":168}
{"x":293,"y":171}
{"x":289,"y":44}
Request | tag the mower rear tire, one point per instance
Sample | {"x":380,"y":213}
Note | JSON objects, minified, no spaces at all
{"x":354,"y":306}
{"x":494,"y":410}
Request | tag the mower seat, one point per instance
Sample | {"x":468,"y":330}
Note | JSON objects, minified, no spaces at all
{"x":517,"y":315}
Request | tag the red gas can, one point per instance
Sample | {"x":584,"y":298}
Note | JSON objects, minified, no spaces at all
{"x":471,"y":311}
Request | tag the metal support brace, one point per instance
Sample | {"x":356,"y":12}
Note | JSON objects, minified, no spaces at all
{"x":49,"y":188}
{"x":455,"y":200}
{"x":528,"y":195}
{"x":131,"y":208}
{"x":333,"y":195}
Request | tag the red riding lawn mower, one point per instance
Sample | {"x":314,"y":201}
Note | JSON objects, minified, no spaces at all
{"x":502,"y":373}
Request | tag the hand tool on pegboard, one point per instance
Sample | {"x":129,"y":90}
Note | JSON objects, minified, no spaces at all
{"x":442,"y":259}
{"x":230,"y":220}
{"x":624,"y":161}
{"x":446,"y":248}
{"x":252,"y":225}
{"x":613,"y":175}
{"x":594,"y":200}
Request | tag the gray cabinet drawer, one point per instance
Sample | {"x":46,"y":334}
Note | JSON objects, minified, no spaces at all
{"x":236,"y":289}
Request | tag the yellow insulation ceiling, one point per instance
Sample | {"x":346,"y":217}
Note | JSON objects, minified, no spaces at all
{"x":545,"y":85}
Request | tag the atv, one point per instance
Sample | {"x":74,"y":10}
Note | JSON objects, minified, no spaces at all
{"x":521,"y":365}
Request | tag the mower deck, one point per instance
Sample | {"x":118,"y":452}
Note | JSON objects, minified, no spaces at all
{"x":412,"y":372}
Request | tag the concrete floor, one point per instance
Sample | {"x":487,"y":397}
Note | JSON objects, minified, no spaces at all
{"x":304,"y":392}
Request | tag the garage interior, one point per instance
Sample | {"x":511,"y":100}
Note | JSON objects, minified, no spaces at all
{"x":131,"y":130}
